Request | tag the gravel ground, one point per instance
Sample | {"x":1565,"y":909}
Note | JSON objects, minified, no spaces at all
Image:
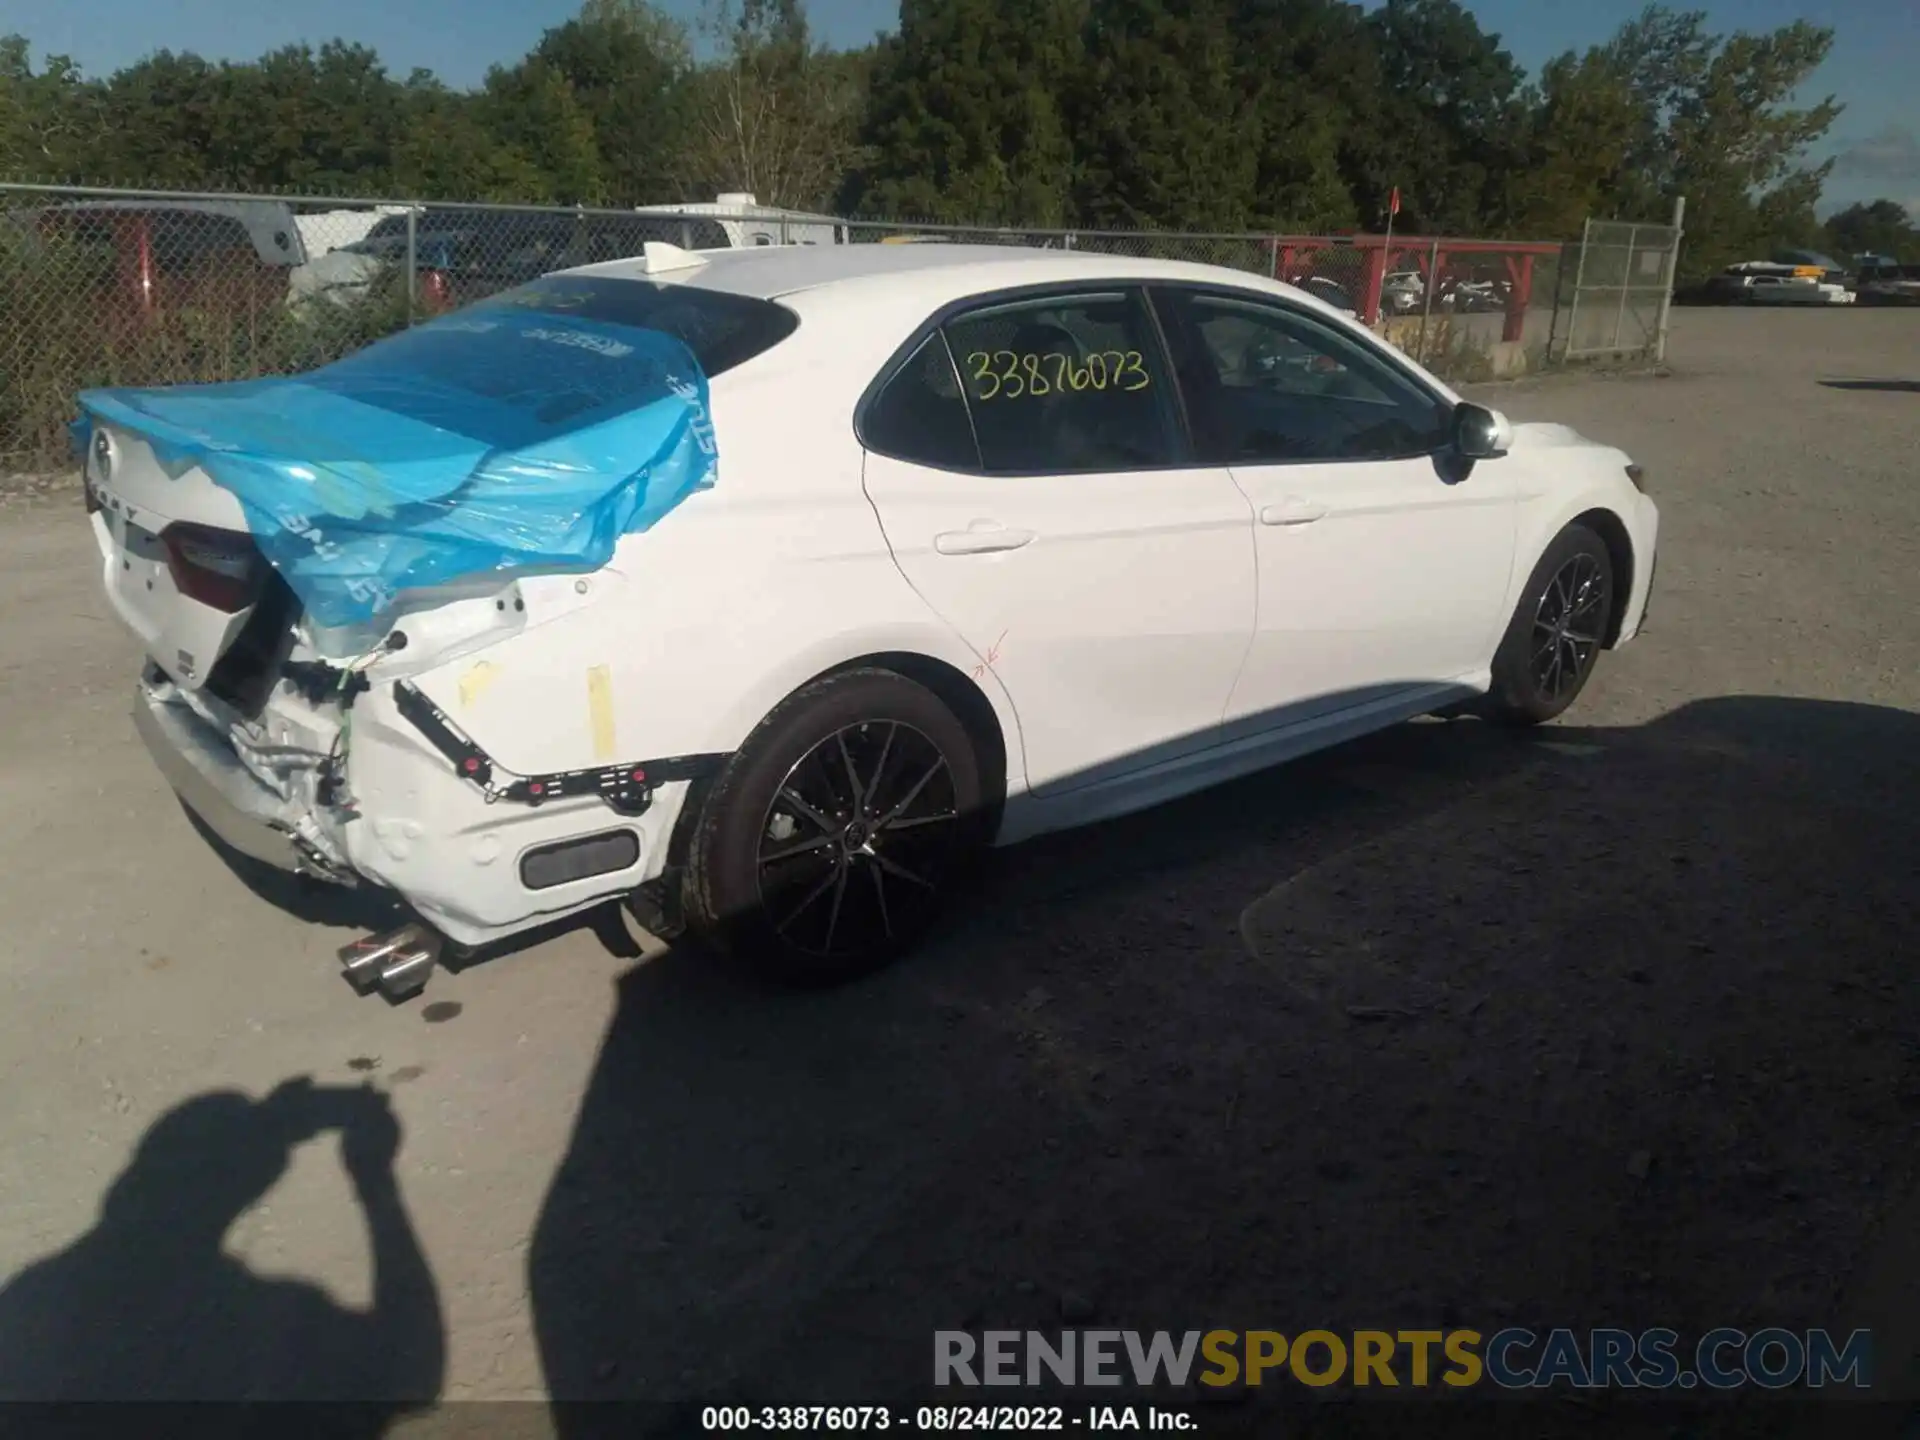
{"x":1612,"y":1025}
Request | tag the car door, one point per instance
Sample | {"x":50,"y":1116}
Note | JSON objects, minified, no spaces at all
{"x":1383,"y":563}
{"x":1029,"y":467}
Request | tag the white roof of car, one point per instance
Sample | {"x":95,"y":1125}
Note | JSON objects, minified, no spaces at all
{"x":913,"y":274}
{"x":771,"y":271}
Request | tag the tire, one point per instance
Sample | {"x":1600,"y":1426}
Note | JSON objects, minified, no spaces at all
{"x":1533,"y":682}
{"x":810,"y":882}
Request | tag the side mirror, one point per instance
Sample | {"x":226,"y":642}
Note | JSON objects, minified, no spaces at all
{"x":1480,"y":433}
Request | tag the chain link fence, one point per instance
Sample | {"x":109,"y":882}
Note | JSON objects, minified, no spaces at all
{"x":1621,"y":292}
{"x":123,"y":287}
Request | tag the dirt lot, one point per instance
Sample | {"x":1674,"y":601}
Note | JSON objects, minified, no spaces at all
{"x":1612,"y":1026}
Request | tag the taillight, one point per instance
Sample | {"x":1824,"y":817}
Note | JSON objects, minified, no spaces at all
{"x":219,"y":568}
{"x":98,"y":468}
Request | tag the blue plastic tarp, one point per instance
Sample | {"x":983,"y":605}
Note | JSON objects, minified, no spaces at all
{"x":498,"y":439}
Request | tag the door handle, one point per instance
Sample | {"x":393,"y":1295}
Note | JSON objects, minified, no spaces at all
{"x":981,"y":541}
{"x":1292,"y":511}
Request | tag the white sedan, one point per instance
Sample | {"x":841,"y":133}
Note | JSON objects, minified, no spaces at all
{"x":1776,"y":290}
{"x":1003,"y":541}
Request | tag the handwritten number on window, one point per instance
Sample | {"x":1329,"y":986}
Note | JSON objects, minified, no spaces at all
{"x":1012,"y":384}
{"x":983,"y":375}
{"x":1002,"y":374}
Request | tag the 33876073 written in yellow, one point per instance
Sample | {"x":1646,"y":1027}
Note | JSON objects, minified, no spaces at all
{"x":1014,"y":375}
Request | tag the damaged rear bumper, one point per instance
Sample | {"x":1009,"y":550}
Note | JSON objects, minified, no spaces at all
{"x":243,"y":813}
{"x":479,"y":853}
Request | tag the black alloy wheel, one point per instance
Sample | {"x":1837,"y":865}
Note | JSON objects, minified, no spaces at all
{"x":854,"y":846}
{"x":1569,"y":627}
{"x":1558,"y":629}
{"x":833,"y":838}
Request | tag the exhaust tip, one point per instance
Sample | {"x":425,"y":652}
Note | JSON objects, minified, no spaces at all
{"x":398,"y":964}
{"x":407,"y":974}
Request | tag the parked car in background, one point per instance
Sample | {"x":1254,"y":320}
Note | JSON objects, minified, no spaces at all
{"x":1403,"y":292}
{"x":1831,"y":270}
{"x":747,"y":224}
{"x":465,"y":253}
{"x":1774,"y":282}
{"x":1329,"y":292}
{"x":1787,"y":290}
{"x":324,"y":231}
{"x":1886,"y":282}
{"x":148,"y":255}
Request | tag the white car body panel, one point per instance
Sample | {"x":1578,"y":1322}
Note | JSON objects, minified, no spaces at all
{"x":1372,"y":573}
{"x":1153,"y":638}
{"x":1118,"y":616}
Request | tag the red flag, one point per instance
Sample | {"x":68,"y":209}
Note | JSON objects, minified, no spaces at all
{"x":1393,"y":204}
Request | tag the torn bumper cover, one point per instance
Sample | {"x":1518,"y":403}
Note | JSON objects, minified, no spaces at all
{"x":500,"y":439}
{"x":246,"y":816}
{"x":476,"y":851}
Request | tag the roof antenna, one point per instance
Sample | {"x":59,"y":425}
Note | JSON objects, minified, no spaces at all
{"x":657,"y":257}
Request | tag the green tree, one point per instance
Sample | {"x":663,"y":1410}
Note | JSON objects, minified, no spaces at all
{"x":51,"y":122}
{"x":965,"y":119}
{"x":1577,"y":152}
{"x":629,"y":66}
{"x":447,"y":152}
{"x":532,"y":108}
{"x":1161,"y":138}
{"x":1449,"y":108}
{"x":1877,"y":227}
{"x":166,"y":120}
{"x":1717,"y":125}
{"x":298,"y":120}
{"x":1309,"y":74}
{"x":776,"y":116}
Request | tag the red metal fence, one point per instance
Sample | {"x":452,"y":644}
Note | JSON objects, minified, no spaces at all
{"x":1453,"y":274}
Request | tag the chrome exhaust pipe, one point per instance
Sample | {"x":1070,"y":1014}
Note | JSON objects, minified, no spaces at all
{"x":408,"y":973}
{"x":398,"y":964}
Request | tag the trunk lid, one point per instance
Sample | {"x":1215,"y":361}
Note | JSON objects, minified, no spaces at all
{"x":180,"y":566}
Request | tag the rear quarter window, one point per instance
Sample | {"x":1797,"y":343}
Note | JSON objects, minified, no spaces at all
{"x":921,"y":414}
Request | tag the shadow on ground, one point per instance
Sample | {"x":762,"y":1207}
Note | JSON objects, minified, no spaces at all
{"x":1909,"y":387}
{"x":148,"y":1306}
{"x":1446,"y":1028}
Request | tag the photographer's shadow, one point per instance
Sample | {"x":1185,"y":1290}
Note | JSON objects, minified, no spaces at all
{"x":148,"y":1306}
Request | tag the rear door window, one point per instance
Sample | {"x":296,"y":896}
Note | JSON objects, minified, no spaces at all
{"x":1067,"y":383}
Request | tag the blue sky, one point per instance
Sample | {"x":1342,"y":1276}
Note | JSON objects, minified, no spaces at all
{"x":1874,"y":66}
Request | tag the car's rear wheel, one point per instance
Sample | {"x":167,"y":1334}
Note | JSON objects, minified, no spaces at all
{"x":1557,"y":631}
{"x":829,"y":843}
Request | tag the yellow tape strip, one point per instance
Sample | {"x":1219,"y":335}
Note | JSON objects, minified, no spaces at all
{"x":600,"y":711}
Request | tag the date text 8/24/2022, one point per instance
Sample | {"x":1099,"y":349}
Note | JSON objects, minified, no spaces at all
{"x":928,"y":1419}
